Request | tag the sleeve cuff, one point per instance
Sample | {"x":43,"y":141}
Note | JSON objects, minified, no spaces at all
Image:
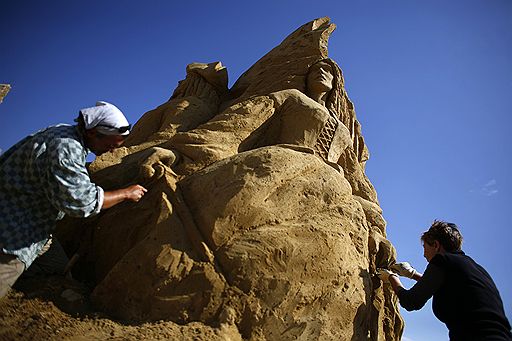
{"x":100,"y":198}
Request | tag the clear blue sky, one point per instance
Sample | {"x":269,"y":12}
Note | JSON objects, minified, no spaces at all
{"x":431,"y":82}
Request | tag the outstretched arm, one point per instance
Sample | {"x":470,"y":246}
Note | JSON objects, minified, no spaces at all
{"x":132,"y":193}
{"x":416,"y":297}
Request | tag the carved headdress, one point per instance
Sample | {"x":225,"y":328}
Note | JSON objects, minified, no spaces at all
{"x":286,"y":66}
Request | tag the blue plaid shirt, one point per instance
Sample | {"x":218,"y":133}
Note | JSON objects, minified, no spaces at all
{"x":42,"y":178}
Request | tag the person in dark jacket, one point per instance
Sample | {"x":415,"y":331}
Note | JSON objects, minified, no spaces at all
{"x":464,"y":295}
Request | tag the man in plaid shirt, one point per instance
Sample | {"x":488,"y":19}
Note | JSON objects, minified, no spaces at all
{"x":43,"y":178}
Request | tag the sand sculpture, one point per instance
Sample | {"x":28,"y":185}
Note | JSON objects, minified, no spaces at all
{"x":4,"y":89}
{"x":259,"y":217}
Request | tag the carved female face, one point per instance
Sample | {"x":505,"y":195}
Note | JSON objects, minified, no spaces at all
{"x":319,"y":80}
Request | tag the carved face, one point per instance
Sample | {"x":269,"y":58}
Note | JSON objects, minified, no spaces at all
{"x":320,"y":78}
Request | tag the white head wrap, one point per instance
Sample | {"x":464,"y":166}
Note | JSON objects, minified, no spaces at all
{"x":106,"y":118}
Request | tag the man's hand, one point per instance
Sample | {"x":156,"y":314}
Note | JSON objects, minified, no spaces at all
{"x":404,"y":269}
{"x":385,"y":274}
{"x":135,"y":192}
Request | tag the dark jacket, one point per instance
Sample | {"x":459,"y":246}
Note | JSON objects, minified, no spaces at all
{"x":465,"y":298}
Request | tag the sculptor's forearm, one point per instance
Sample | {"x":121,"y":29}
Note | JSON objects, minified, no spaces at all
{"x":132,"y":193}
{"x":416,"y":297}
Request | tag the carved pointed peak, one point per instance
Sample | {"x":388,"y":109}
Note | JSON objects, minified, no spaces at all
{"x":286,"y":65}
{"x":318,"y":25}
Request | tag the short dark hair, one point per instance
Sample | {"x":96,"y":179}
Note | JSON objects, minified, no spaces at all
{"x":447,"y":234}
